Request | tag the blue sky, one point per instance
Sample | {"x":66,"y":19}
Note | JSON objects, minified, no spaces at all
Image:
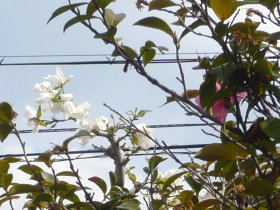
{"x":24,"y":31}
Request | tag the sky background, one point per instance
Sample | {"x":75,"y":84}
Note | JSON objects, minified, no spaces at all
{"x":24,"y":31}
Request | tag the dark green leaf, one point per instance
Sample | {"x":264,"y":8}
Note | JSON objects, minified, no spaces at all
{"x":207,"y":91}
{"x":6,"y":180}
{"x":12,"y":159}
{"x":63,"y":9}
{"x":270,"y":4}
{"x":109,"y":35}
{"x":66,"y":173}
{"x":75,"y":20}
{"x":196,"y":186}
{"x":45,"y":158}
{"x":42,"y":197}
{"x":6,"y":112}
{"x":113,"y":178}
{"x":157,"y":203}
{"x":91,"y":9}
{"x":148,"y":55}
{"x":156,"y":23}
{"x":28,"y":170}
{"x":4,"y":166}
{"x":273,"y":37}
{"x":100,"y":183}
{"x":22,"y":188}
{"x":259,"y":187}
{"x":159,"y":4}
{"x":221,"y":29}
{"x":130,"y":205}
{"x":271,"y":128}
{"x":8,"y":198}
{"x":5,"y":129}
{"x":191,"y":27}
{"x":82,"y":205}
{"x":185,"y":196}
{"x":103,"y":3}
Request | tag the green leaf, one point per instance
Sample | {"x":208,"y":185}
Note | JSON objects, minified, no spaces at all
{"x":45,"y":158}
{"x":113,"y":178}
{"x":270,"y":4}
{"x":156,"y":23}
{"x":159,"y":4}
{"x":47,"y":176}
{"x":148,"y":55}
{"x":109,"y":35}
{"x":130,"y":205}
{"x":157,"y":203}
{"x":100,"y":183}
{"x":226,"y":151}
{"x":196,"y":186}
{"x":12,"y":159}
{"x":206,"y":203}
{"x":155,"y":160}
{"x":171,"y":179}
{"x":273,"y":37}
{"x":6,"y":112}
{"x":63,"y":9}
{"x":263,"y":67}
{"x":223,"y":8}
{"x":4,"y":166}
{"x":26,"y":169}
{"x":5,"y":129}
{"x":192,"y":26}
{"x":22,"y":188}
{"x":221,"y":29}
{"x":66,"y":173}
{"x":75,"y":20}
{"x":6,"y":180}
{"x":42,"y":197}
{"x":91,"y":9}
{"x":207,"y":91}
{"x":8,"y":198}
{"x":103,"y":3}
{"x":259,"y":187}
{"x":127,"y":50}
{"x":81,"y":205}
{"x":39,"y":112}
{"x":271,"y":128}
{"x":142,"y":112}
{"x":113,"y":19}
{"x":185,"y":196}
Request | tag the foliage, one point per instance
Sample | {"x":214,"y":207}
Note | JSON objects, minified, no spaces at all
{"x":240,"y":172}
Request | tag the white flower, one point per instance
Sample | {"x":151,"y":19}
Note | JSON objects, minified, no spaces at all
{"x":80,"y":111}
{"x":59,"y":79}
{"x":42,"y":87}
{"x":32,"y":120}
{"x":101,"y":123}
{"x":143,"y":140}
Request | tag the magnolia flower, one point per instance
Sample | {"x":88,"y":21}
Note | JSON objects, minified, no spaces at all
{"x":143,"y":140}
{"x":32,"y":120}
{"x":59,"y":79}
{"x":45,"y":95}
{"x":220,"y":108}
{"x":101,"y":123}
{"x":80,"y":111}
{"x":58,"y":106}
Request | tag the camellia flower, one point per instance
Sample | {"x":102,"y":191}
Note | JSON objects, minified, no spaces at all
{"x":220,"y":108}
{"x":32,"y":120}
{"x":59,"y":79}
{"x":143,"y":140}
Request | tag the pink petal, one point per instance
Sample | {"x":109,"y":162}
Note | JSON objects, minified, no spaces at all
{"x":197,"y":100}
{"x":219,"y":110}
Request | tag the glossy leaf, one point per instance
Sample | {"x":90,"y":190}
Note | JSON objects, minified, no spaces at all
{"x":271,"y":128}
{"x":159,"y":4}
{"x":91,"y":9}
{"x":5,"y":129}
{"x":127,"y":50}
{"x":47,"y":176}
{"x":191,"y":27}
{"x":103,"y":3}
{"x":45,"y":158}
{"x":4,"y":166}
{"x":75,"y":20}
{"x":42,"y":197}
{"x":64,"y":9}
{"x":195,"y":185}
{"x":156,"y":23}
{"x":206,"y":204}
{"x":148,"y":56}
{"x":28,"y":170}
{"x":171,"y":179}
{"x":263,"y":67}
{"x":226,"y":151}
{"x":185,"y":196}
{"x":259,"y":187}
{"x":223,"y":8}
{"x":155,"y":160}
{"x":22,"y":188}
{"x":109,"y":35}
{"x":130,"y":205}
{"x":6,"y":112}
{"x":6,"y":180}
{"x":66,"y":173}
{"x":207,"y":91}
{"x":113,"y":178}
{"x":100,"y":183}
{"x":113,"y":19}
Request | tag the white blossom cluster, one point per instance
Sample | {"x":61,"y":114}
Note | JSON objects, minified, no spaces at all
{"x":52,"y":98}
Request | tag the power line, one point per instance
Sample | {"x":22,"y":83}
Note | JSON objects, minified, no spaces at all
{"x":97,"y":151}
{"x":57,"y":130}
{"x":110,"y":62}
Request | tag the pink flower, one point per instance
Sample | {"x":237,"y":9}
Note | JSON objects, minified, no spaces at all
{"x":220,"y":108}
